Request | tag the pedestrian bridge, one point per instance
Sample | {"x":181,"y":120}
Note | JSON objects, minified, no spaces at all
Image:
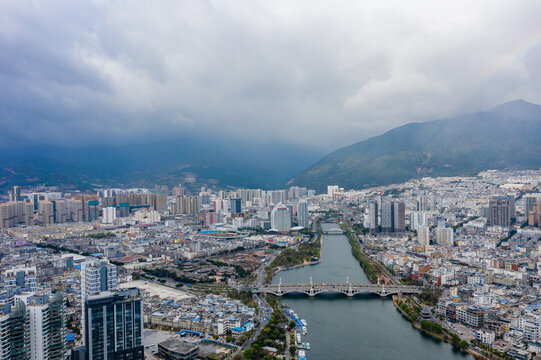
{"x":346,"y":288}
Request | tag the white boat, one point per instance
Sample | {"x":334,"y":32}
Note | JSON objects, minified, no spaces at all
{"x":302,"y":355}
{"x":304,"y":322}
{"x":298,"y":338}
{"x":307,"y":346}
{"x":304,"y":330}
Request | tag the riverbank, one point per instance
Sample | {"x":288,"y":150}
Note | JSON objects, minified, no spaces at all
{"x":369,"y":325}
{"x":370,"y":265}
{"x":274,"y":268}
{"x":445,"y":337}
{"x":370,"y":268}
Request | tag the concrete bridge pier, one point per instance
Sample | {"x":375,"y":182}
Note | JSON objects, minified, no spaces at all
{"x":349,"y":292}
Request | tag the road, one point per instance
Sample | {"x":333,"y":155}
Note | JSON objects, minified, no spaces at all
{"x":265,"y":310}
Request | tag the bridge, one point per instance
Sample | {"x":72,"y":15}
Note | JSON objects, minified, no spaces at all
{"x":346,"y":288}
{"x":334,"y":231}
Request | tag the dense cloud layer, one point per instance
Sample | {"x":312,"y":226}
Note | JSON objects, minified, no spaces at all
{"x":329,"y":72}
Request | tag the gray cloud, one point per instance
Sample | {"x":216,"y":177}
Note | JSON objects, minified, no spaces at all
{"x":323,"y":72}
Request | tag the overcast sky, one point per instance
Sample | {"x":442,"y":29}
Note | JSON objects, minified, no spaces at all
{"x":323,"y":72}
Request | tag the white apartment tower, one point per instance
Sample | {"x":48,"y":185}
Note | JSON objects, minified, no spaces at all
{"x":281,"y":218}
{"x":97,"y":275}
{"x":302,"y":214}
{"x":444,"y":236}
{"x":423,"y":235}
{"x":109,"y":215}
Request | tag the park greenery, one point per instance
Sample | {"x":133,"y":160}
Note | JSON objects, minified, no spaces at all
{"x":101,"y":235}
{"x":490,"y":352}
{"x":180,"y":279}
{"x":239,"y":270}
{"x":432,"y":327}
{"x":272,"y":335}
{"x":411,"y":314}
{"x":305,"y":252}
{"x":369,"y":268}
{"x":245,"y":296}
{"x":458,"y":342}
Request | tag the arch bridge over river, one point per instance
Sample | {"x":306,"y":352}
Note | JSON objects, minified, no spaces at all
{"x":346,"y":288}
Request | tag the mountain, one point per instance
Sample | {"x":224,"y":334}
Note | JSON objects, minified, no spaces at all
{"x":211,"y":162}
{"x":507,"y":137}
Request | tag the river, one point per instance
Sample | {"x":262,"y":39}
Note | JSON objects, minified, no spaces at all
{"x":363,"y":327}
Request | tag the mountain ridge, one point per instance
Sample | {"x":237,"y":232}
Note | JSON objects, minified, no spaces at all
{"x":213,"y":162}
{"x":462,"y":145}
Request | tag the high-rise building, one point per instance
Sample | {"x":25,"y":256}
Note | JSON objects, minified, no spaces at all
{"x":511,"y":206}
{"x":235,"y":205}
{"x":281,"y":218}
{"x":422,"y":203}
{"x":60,"y":210}
{"x":46,"y":212}
{"x":157,"y":202}
{"x":178,"y":190}
{"x":277,"y":196}
{"x":373,"y":213}
{"x":109,"y":215}
{"x":423,"y":235}
{"x":186,"y":204}
{"x":16,"y":194}
{"x":332,"y":189}
{"x":444,"y":236}
{"x":123,"y":209}
{"x":529,"y":202}
{"x":6,"y":215}
{"x":417,"y":219}
{"x":47,"y":327}
{"x":302,"y":214}
{"x":399,"y":217}
{"x":28,"y":214}
{"x":33,"y":329}
{"x":387,"y":216}
{"x":93,"y":213}
{"x":75,"y":210}
{"x":97,"y":275}
{"x":57,"y":327}
{"x":296,"y":192}
{"x":113,"y":326}
{"x":534,"y":215}
{"x":21,"y":278}
{"x":161,"y":202}
{"x":19,"y":334}
{"x":432,"y":203}
{"x":499,"y":211}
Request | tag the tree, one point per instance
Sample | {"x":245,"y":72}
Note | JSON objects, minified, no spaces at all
{"x":455,"y":339}
{"x":464,"y":344}
{"x":249,"y":353}
{"x":292,"y":325}
{"x":292,"y":350}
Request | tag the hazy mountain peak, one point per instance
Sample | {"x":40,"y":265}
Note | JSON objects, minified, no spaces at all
{"x":509,"y":136}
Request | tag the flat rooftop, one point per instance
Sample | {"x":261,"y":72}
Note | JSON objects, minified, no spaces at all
{"x":178,"y":346}
{"x":164,"y":292}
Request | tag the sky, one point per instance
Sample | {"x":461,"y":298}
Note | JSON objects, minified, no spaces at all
{"x":318,"y":73}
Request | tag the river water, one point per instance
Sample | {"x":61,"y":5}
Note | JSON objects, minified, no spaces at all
{"x":363,"y":327}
